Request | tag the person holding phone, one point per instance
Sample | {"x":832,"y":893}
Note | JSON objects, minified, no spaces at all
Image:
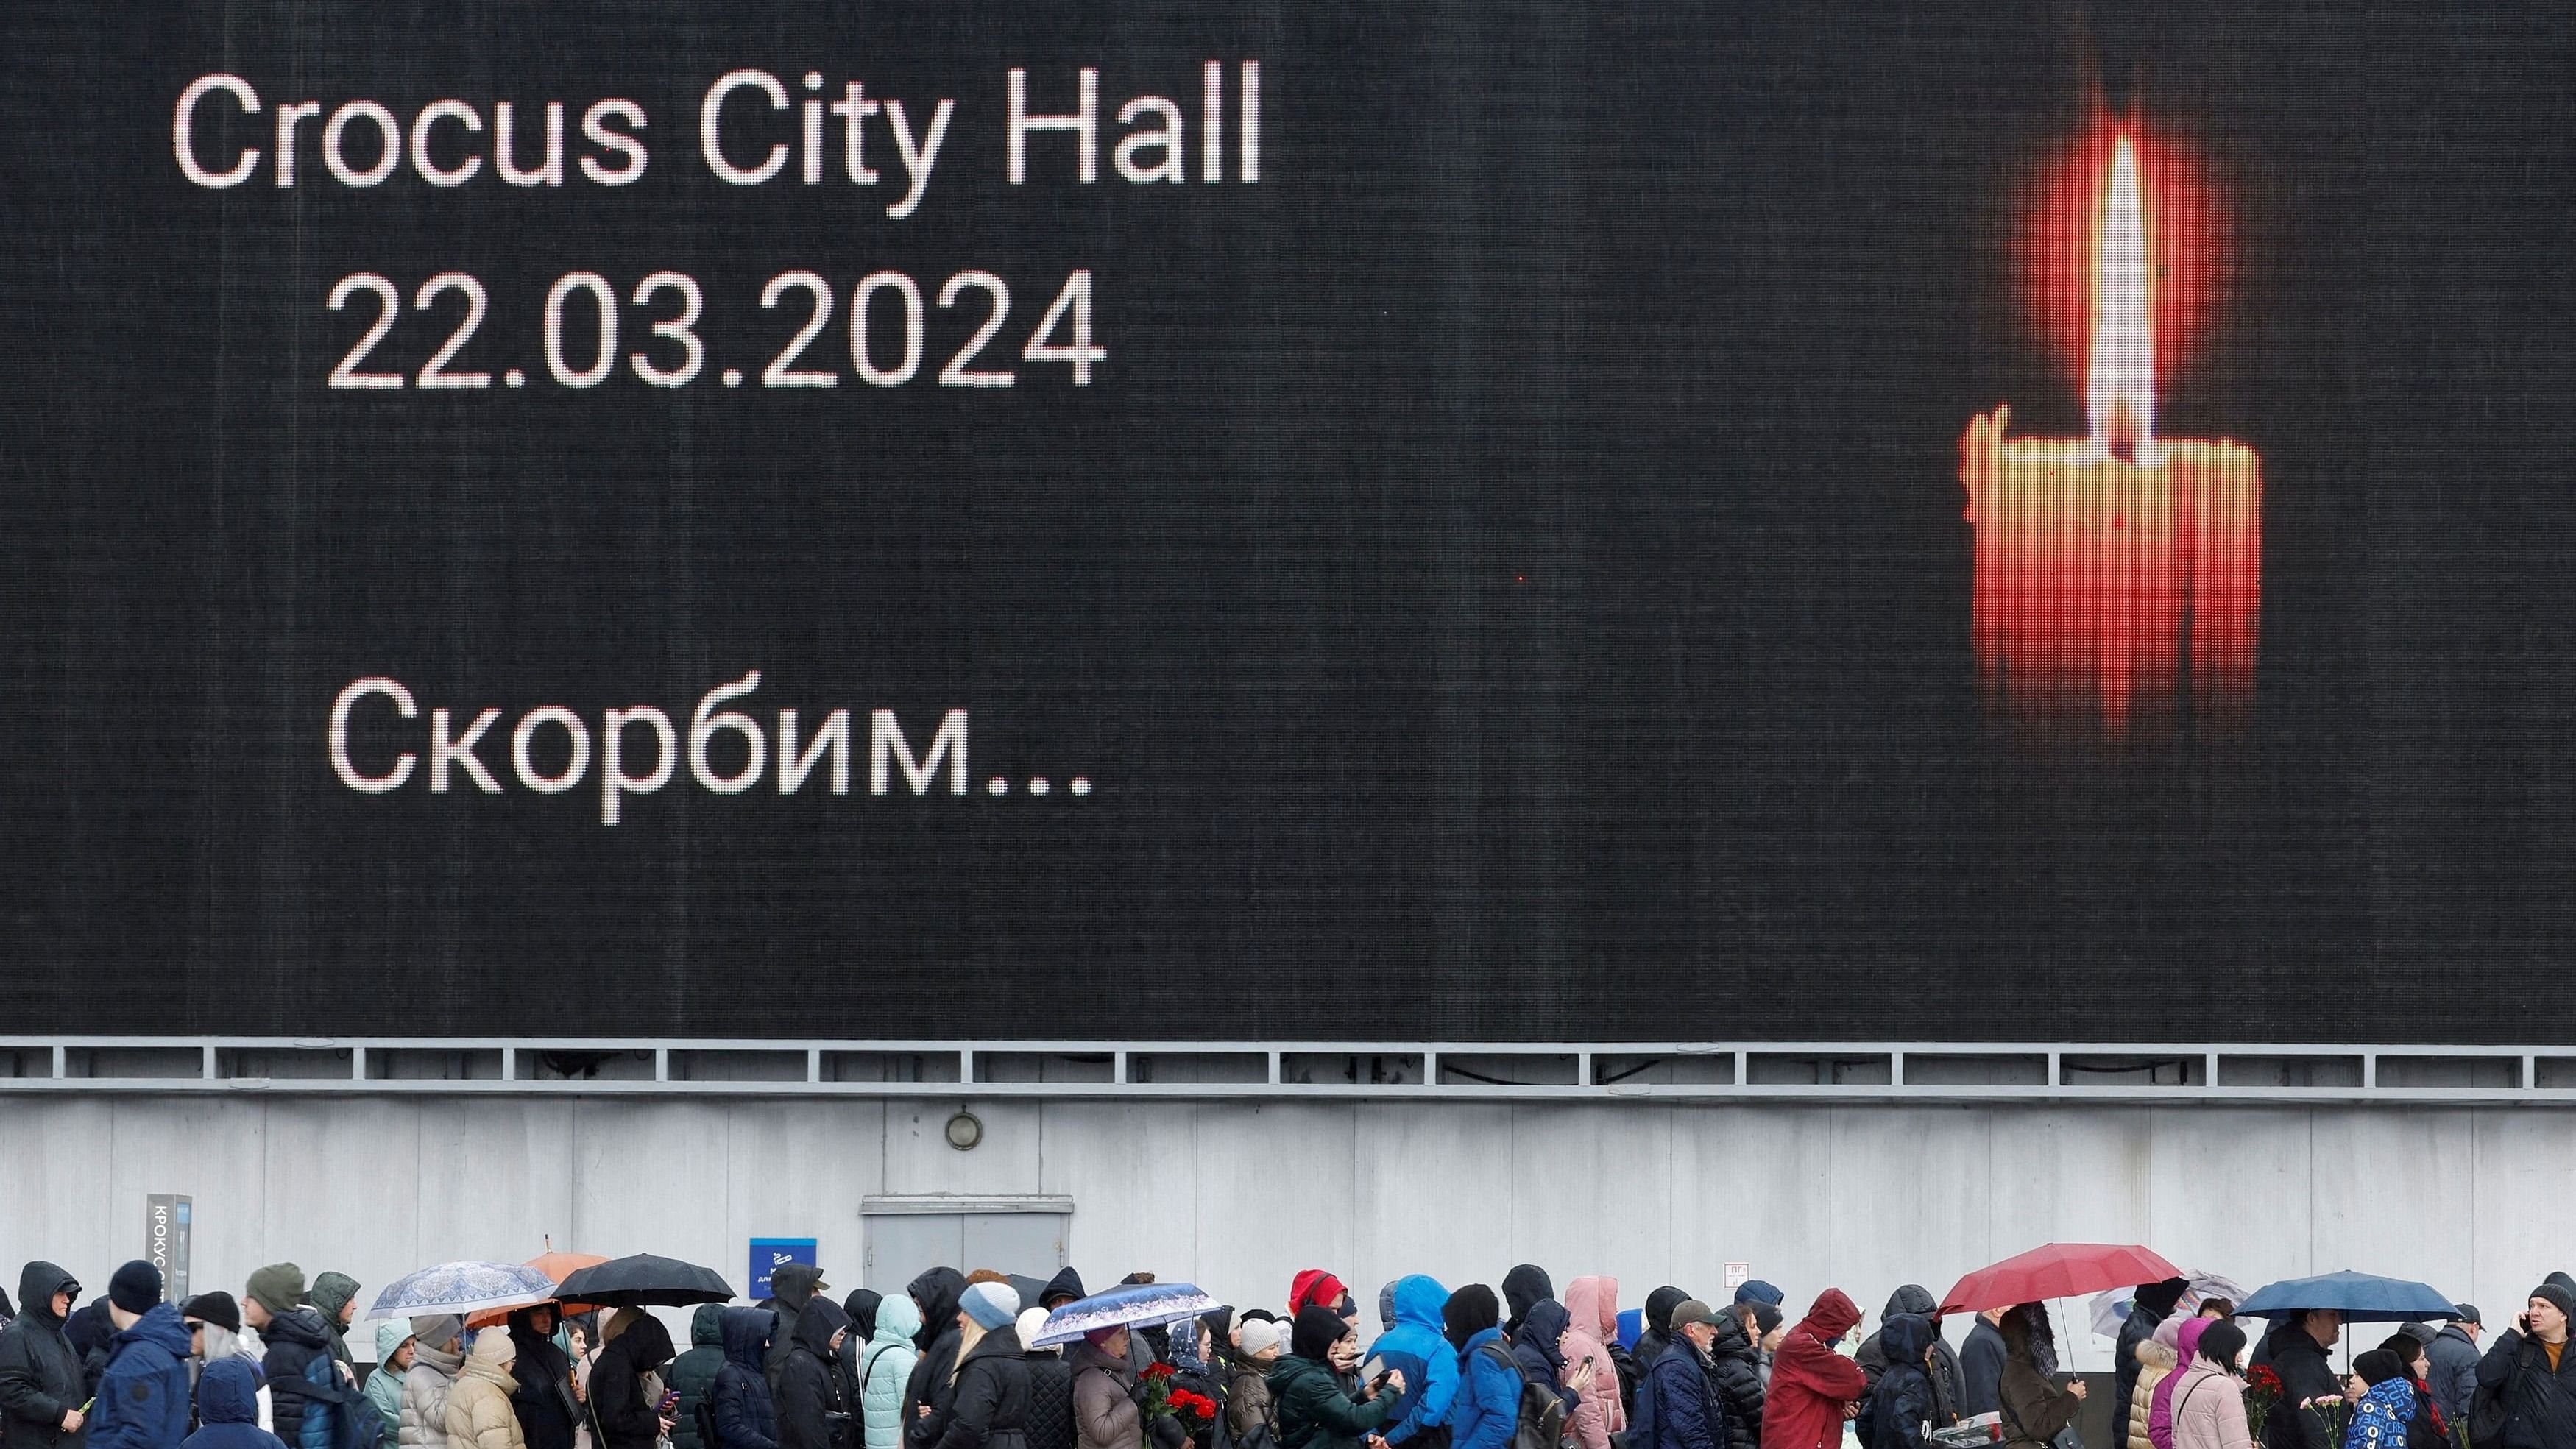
{"x":2532,"y":1374}
{"x":628,"y":1406}
{"x":1313,"y":1410}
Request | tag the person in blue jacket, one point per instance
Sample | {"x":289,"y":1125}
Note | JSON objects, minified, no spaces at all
{"x":1903,"y":1405}
{"x":1677,"y":1407}
{"x":1487,"y":1408}
{"x":143,"y":1397}
{"x":1415,"y":1348}
{"x":228,"y":1407}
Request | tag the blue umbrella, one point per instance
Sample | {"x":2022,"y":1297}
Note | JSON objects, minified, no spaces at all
{"x":2359,"y":1297}
{"x":1138,"y":1305}
{"x":461,"y":1288}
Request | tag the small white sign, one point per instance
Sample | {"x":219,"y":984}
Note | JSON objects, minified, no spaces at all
{"x":1737,"y":1275}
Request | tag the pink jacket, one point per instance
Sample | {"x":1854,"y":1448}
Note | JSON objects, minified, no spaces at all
{"x":1593,"y":1307}
{"x":2209,"y":1409}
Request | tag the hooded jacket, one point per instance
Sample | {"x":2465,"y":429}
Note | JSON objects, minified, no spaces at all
{"x":2160,"y":1401}
{"x":885,"y":1367}
{"x":1313,"y":1411}
{"x":790,"y":1288}
{"x":2539,"y":1405}
{"x":1592,"y":1313}
{"x":1735,"y":1380}
{"x":936,"y":1293}
{"x":143,"y":1397}
{"x":1535,"y":1350}
{"x":545,"y":1374}
{"x":1914,"y":1298}
{"x":862,"y":1305}
{"x":2034,"y":1409}
{"x":2209,"y":1409}
{"x":294,"y":1340}
{"x":693,"y":1374}
{"x":991,"y":1406}
{"x":426,"y":1385}
{"x":1488,"y":1407}
{"x":1810,"y":1382}
{"x":745,"y":1414}
{"x":1675,"y":1407}
{"x":40,"y":1372}
{"x":813,"y":1410}
{"x":228,"y":1408}
{"x":1658,"y":1333}
{"x":2147,"y":1309}
{"x":1066,"y":1283}
{"x":1523,"y":1288}
{"x":1104,"y":1414}
{"x":1903,"y":1405}
{"x":384,"y":1387}
{"x":625,"y":1417}
{"x":330,"y":1298}
{"x":1416,"y":1348}
{"x":478,"y":1405}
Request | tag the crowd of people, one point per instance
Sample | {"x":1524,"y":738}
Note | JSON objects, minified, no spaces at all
{"x":954,"y":1363}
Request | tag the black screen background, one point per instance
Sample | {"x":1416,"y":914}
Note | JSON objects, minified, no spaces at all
{"x":1508,"y":579}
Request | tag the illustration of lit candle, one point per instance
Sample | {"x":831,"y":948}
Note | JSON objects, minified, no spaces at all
{"x":2117,"y":576}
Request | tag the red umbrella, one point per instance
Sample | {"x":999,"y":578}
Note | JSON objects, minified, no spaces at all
{"x":2059,"y":1270}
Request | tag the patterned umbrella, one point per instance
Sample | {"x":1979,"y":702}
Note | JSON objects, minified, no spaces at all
{"x":461,"y":1288}
{"x":2111,"y":1306}
{"x":1139,"y":1305}
{"x":557,"y":1266}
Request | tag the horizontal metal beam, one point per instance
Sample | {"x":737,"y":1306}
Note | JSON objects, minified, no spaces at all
{"x":948,"y":1070}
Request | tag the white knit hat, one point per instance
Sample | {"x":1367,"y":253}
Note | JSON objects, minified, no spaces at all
{"x":1030,"y":1321}
{"x":1259,"y":1336}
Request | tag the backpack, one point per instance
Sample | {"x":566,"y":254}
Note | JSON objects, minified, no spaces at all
{"x":2488,"y":1413}
{"x":1264,"y":1435}
{"x":323,"y":1393}
{"x":1542,"y":1413}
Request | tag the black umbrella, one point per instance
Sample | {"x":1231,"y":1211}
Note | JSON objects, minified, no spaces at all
{"x":644,"y":1281}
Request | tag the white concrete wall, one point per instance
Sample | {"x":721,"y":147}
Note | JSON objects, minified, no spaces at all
{"x":1237,"y":1196}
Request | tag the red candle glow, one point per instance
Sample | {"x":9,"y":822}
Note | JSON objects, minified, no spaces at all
{"x":2117,"y":576}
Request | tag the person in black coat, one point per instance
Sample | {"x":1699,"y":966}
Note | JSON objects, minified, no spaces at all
{"x":1873,"y":1357}
{"x":1735,"y":1381}
{"x":1535,"y":1350}
{"x":1524,"y":1288}
{"x":2533,"y":1375}
{"x":1658,"y":1332}
{"x":933,"y":1379}
{"x":990,"y":1407}
{"x":1049,"y":1421}
{"x":1981,"y":1367}
{"x":543,"y":1400}
{"x":2150,"y":1306}
{"x":745,"y":1415}
{"x":42,"y":1385}
{"x":625,"y":1418}
{"x":1903,"y":1404}
{"x":813,"y":1408}
{"x":2296,"y":1350}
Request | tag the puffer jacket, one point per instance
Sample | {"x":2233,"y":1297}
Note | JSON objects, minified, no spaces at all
{"x":1592,"y":1310}
{"x":1735,"y":1380}
{"x":478,"y":1413}
{"x":1049,"y":1423}
{"x":385,"y":1386}
{"x":693,"y":1374}
{"x":885,"y":1367}
{"x":425,"y":1389}
{"x":746,"y":1416}
{"x":1540,"y":1354}
{"x":1902,"y":1404}
{"x":292,"y":1341}
{"x":1948,"y":1387}
{"x":2155,"y":1360}
{"x":143,"y":1397}
{"x":1312,"y":1410}
{"x":2539,"y":1403}
{"x":1488,"y":1406}
{"x":1418,"y":1348}
{"x":991,"y":1407}
{"x":545,"y":1376}
{"x":1104,"y":1417}
{"x":40,"y":1373}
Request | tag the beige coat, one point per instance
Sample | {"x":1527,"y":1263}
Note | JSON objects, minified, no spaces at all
{"x":479,"y":1415}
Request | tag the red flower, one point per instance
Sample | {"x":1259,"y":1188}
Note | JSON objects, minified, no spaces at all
{"x":2262,"y":1377}
{"x":1158,"y":1370}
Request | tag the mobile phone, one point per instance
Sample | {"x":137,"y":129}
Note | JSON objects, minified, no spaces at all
{"x":670,"y":1401}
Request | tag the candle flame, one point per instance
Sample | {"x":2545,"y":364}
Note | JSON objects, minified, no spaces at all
{"x":2120,"y":395}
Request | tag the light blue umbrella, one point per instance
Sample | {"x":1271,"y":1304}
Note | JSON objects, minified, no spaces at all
{"x":1136,"y":1305}
{"x":2359,"y":1297}
{"x":461,"y":1288}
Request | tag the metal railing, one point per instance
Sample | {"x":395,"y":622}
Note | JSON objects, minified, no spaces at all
{"x":2165,"y":1073}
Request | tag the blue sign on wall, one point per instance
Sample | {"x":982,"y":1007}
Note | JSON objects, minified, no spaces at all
{"x":768,"y":1255}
